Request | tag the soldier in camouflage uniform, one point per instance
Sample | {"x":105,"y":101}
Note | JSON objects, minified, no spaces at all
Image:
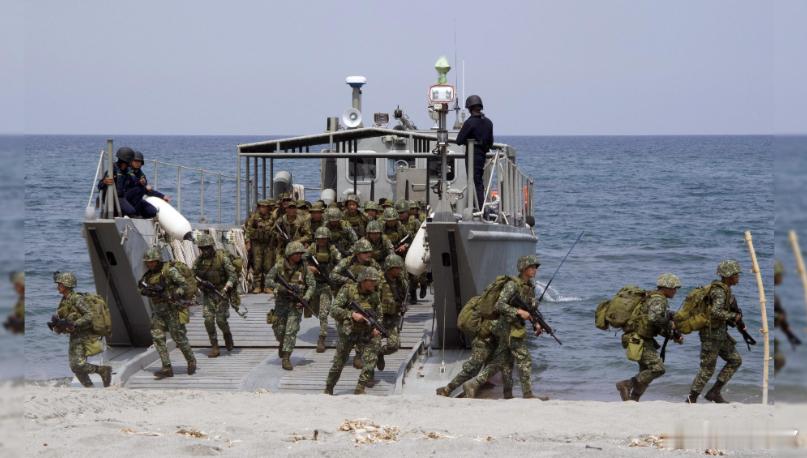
{"x":342,"y":235}
{"x":382,"y":247}
{"x":78,"y":324}
{"x":715,"y":339}
{"x":354,"y":329}
{"x":780,"y":321}
{"x":291,"y":228}
{"x":511,"y":334}
{"x":214,"y":266}
{"x":372,"y":210}
{"x":288,"y":310}
{"x":482,"y":349}
{"x":15,"y":322}
{"x":261,"y":243}
{"x":356,"y":219}
{"x":327,"y":257}
{"x":396,"y":232}
{"x":393,"y":292}
{"x":315,"y":217}
{"x":653,"y":319}
{"x":164,"y":284}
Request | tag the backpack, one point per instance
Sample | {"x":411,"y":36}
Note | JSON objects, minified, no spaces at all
{"x":101,"y":319}
{"x":190,"y":278}
{"x":489,"y":297}
{"x":469,"y":321}
{"x":618,"y":311}
{"x":694,"y":312}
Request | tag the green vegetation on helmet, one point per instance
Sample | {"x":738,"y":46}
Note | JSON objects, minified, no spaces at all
{"x":369,"y":273}
{"x":363,"y":246}
{"x":668,"y":280}
{"x":294,"y":247}
{"x":205,"y":240}
{"x":152,"y":254}
{"x":322,"y":232}
{"x":526,"y":261}
{"x":67,"y":279}
{"x":333,"y":214}
{"x":390,"y":214}
{"x":728,"y":268}
{"x":374,"y":226}
{"x":393,"y":261}
{"x":778,"y":268}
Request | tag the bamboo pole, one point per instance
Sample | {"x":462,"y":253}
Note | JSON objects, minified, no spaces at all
{"x":763,"y":310}
{"x":794,"y":243}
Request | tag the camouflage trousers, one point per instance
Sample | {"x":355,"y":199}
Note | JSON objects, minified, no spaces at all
{"x":287,"y":324}
{"x":370,"y":348}
{"x":77,"y":355}
{"x":390,"y":323}
{"x":716,"y":343}
{"x":322,"y":306}
{"x":481,"y":350}
{"x":263,"y":258}
{"x":215,"y":311}
{"x":651,"y":366}
{"x":168,"y":322}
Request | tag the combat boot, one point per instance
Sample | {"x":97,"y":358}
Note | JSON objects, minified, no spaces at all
{"x":638,"y":390}
{"x":84,"y":379}
{"x":285,"y":362}
{"x":357,"y":362}
{"x":214,"y":350}
{"x":106,"y":375}
{"x":359,"y":389}
{"x":267,"y":290}
{"x":380,"y":363}
{"x":412,"y":296}
{"x":624,"y":388}
{"x":328,"y":390}
{"x":321,"y":344}
{"x":693,"y":397}
{"x":507,"y":393}
{"x":165,"y":372}
{"x":258,"y":286}
{"x":445,"y":390}
{"x":470,"y":388}
{"x":228,"y":341}
{"x":423,"y":290}
{"x":371,"y":383}
{"x":191,"y":367}
{"x":714,"y":394}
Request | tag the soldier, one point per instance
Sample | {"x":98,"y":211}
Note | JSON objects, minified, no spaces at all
{"x":315,"y":220}
{"x":511,"y":334}
{"x":382,"y":247}
{"x":122,"y":179}
{"x":164,"y":284}
{"x":139,"y":189}
{"x":290,"y":228}
{"x":327,"y":257}
{"x":15,"y":322}
{"x":371,"y":210}
{"x":288,"y":309}
{"x":77,"y":321}
{"x":396,"y":232}
{"x":715,"y":339}
{"x":482,"y":349}
{"x":354,"y":329}
{"x":780,"y":321}
{"x":653,"y":319}
{"x":342,"y":235}
{"x":215,"y":268}
{"x":480,"y":129}
{"x":261,"y":244}
{"x":356,"y":219}
{"x":302,"y":208}
{"x":393,"y":292}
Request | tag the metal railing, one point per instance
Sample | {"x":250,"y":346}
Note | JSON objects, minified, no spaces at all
{"x":511,"y":193}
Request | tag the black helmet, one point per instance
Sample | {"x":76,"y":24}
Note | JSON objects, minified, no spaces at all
{"x":473,"y":100}
{"x":125,"y":154}
{"x":138,"y":156}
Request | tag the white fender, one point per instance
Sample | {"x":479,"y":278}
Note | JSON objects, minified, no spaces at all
{"x":170,"y":219}
{"x":415,"y":263}
{"x":328,"y":196}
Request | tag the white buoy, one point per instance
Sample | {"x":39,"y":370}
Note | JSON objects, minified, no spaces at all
{"x":171,"y":220}
{"x":415,"y":262}
{"x":328,"y":196}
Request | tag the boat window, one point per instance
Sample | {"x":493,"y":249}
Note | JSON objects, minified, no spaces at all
{"x":434,"y":169}
{"x":365,"y":168}
{"x":395,"y":164}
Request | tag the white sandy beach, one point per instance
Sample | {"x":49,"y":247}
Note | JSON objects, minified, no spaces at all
{"x":60,"y":421}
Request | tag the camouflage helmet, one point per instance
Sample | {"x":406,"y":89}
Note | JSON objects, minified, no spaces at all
{"x":317,"y":206}
{"x":526,"y":261}
{"x":301,"y":204}
{"x":778,"y":268}
{"x":322,"y":232}
{"x":369,"y":273}
{"x":333,"y":214}
{"x":414,"y":204}
{"x":374,"y":226}
{"x":352,"y":198}
{"x":728,"y":268}
{"x":292,"y":204}
{"x":390,"y":214}
{"x":393,"y":261}
{"x":668,"y":280}
{"x":371,"y":205}
{"x":384,"y":203}
{"x":401,"y":206}
{"x":265,"y":203}
{"x":205,"y":240}
{"x":67,"y":279}
{"x":152,"y":254}
{"x":294,"y":248}
{"x":363,"y":246}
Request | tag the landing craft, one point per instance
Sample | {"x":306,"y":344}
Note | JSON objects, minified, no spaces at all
{"x":464,"y":249}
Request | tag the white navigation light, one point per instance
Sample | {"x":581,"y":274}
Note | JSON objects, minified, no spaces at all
{"x":356,"y":81}
{"x":351,"y":118}
{"x":441,"y":93}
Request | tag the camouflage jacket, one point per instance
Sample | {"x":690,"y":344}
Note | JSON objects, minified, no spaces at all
{"x":396,"y":233}
{"x":654,"y":316}
{"x":393,"y":294}
{"x":172,"y":283}
{"x":340,"y":308}
{"x":296,"y":230}
{"x":720,"y":310}
{"x":358,"y":221}
{"x":343,"y":237}
{"x":217,"y":269}
{"x":351,"y":264}
{"x":73,"y":308}
{"x":297,"y":276}
{"x":525,"y":290}
{"x":258,"y":228}
{"x":381,"y":249}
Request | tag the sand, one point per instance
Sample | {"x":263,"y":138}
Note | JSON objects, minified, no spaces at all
{"x":62,"y":421}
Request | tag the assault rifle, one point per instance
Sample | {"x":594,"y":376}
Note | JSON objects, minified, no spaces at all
{"x":60,"y":325}
{"x":294,"y":292}
{"x":740,"y":324}
{"x":370,"y":317}
{"x":402,"y":242}
{"x":151,"y":290}
{"x":535,"y":316}
{"x":671,"y":333}
{"x":282,"y":232}
{"x":207,"y":286}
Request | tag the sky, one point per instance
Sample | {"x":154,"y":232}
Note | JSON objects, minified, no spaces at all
{"x":572,"y":67}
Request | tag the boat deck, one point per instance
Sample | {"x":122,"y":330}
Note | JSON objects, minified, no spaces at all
{"x":255,"y":363}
